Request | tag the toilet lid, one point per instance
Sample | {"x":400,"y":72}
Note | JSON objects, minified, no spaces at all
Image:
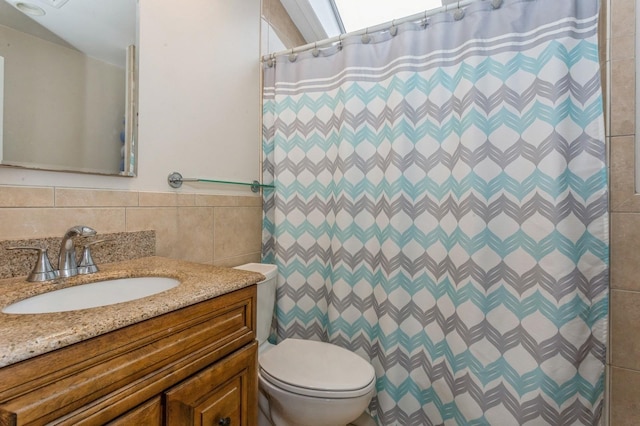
{"x":317,"y":366}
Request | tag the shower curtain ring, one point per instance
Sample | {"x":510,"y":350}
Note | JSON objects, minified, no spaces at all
{"x":366,"y":38}
{"x":315,"y":52}
{"x":393,"y":30}
{"x":459,"y":13}
{"x":292,"y":56}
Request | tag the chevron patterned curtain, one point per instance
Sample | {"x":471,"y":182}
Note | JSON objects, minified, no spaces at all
{"x":441,"y":210}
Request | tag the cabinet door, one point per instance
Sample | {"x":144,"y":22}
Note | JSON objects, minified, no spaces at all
{"x":224,"y":394}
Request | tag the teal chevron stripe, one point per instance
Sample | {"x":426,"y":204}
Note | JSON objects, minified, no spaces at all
{"x":353,"y":329}
{"x":297,"y":314}
{"x":364,"y":273}
{"x":501,"y":296}
{"x":305,"y":228}
{"x":268,"y":149}
{"x":503,"y":183}
{"x":448,"y":410}
{"x":522,"y":385}
{"x":591,"y":244}
{"x":304,"y":268}
{"x":553,"y":187}
{"x":550,"y":244}
{"x":599,"y":312}
{"x":268,"y":107}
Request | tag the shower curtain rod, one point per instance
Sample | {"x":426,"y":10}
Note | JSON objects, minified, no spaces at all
{"x":380,"y":27}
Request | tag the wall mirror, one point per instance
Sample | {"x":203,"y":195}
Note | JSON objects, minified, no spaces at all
{"x":67,"y":86}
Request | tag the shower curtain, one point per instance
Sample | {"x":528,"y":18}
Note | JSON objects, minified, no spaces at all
{"x":441,"y":210}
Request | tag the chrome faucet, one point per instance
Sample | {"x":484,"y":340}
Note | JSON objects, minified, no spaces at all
{"x":67,"y":263}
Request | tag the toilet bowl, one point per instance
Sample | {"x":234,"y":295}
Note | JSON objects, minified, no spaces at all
{"x":309,"y":383}
{"x":305,"y":382}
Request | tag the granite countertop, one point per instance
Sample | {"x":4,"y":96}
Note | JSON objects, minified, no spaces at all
{"x":26,"y":336}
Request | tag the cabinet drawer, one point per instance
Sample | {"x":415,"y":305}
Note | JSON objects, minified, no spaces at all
{"x":147,"y":414}
{"x":224,"y":394}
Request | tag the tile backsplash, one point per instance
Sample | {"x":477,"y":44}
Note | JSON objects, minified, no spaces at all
{"x":224,"y":230}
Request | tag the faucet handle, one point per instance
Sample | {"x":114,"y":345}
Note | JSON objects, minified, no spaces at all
{"x":42,"y":270}
{"x":87,"y":265}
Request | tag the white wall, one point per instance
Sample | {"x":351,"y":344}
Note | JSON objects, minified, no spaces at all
{"x":199,"y":98}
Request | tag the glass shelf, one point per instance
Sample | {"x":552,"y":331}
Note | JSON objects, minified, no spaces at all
{"x":175,"y":180}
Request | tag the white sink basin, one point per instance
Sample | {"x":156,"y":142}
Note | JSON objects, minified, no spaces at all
{"x":92,"y":295}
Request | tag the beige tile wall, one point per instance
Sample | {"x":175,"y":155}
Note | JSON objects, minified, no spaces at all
{"x":624,"y":350}
{"x":213,"y":229}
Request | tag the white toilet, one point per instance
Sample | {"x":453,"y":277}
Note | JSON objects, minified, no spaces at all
{"x":304,"y":382}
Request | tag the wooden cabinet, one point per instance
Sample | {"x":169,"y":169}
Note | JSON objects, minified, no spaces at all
{"x":195,"y":364}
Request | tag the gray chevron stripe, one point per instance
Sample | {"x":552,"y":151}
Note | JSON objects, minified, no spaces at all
{"x":304,"y":290}
{"x":501,"y":274}
{"x":503,"y":205}
{"x":522,"y":150}
{"x":307,"y":331}
{"x":473,"y":99}
{"x":517,"y":337}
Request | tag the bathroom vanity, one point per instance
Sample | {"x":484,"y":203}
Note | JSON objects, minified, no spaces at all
{"x":184,"y":356}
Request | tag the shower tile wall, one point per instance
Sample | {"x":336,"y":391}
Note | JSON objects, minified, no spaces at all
{"x":213,"y":229}
{"x":624,"y":352}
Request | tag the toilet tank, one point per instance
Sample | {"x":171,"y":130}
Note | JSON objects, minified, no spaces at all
{"x":266,"y":297}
